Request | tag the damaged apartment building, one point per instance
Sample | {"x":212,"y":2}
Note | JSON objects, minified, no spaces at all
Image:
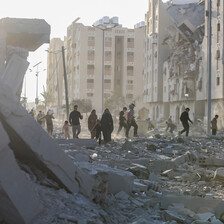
{"x":182,"y":68}
{"x":174,"y":34}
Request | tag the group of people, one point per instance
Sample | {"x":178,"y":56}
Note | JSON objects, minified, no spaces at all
{"x":185,"y":119}
{"x":101,"y":128}
{"x":127,"y":120}
{"x":41,"y":118}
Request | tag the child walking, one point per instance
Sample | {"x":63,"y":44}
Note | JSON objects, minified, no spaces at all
{"x":97,"y":128}
{"x":66,"y":130}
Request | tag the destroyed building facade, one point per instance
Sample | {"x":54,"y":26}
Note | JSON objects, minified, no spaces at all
{"x":180,"y":71}
{"x":184,"y":73}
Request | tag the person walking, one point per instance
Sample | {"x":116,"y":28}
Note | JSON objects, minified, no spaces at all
{"x":214,"y":124}
{"x":184,"y":118}
{"x":74,"y":118}
{"x":66,"y":130}
{"x":91,"y":123}
{"x":122,"y":120}
{"x":49,"y":122}
{"x":131,"y":121}
{"x":107,"y":125}
{"x":97,"y":129}
{"x":41,"y":118}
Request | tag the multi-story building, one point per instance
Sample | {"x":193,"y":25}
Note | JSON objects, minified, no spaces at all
{"x":55,"y":81}
{"x":157,"y":21}
{"x":217,"y":94}
{"x":123,"y":63}
{"x":181,"y":69}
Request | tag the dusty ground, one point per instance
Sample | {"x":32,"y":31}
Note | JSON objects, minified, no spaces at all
{"x":164,"y":165}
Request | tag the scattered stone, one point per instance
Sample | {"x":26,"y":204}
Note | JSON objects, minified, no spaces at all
{"x":139,"y":171}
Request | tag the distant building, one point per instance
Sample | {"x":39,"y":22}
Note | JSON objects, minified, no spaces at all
{"x":123,"y":63}
{"x":217,"y":64}
{"x":156,"y":53}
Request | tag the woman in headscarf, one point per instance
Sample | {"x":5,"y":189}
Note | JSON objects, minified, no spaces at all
{"x":107,"y":125}
{"x":92,"y":122}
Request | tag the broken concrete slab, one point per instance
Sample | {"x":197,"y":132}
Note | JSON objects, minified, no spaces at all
{"x":29,"y":34}
{"x":211,"y":161}
{"x":219,"y":174}
{"x":19,"y":201}
{"x":139,"y":171}
{"x":215,"y":206}
{"x":31,"y":144}
{"x":118,"y":180}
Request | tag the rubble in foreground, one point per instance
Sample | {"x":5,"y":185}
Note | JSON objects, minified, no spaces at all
{"x":175,"y":180}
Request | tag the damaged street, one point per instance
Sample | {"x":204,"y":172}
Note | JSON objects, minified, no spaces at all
{"x":158,"y":179}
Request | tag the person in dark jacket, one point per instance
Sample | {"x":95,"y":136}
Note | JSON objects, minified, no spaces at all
{"x":107,"y":125}
{"x":74,"y":117}
{"x":184,"y":118}
{"x":131,"y":121}
{"x":122,"y":120}
{"x":214,"y":124}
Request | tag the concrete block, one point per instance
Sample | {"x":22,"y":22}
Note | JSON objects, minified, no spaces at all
{"x":17,"y":67}
{"x":214,"y":206}
{"x":219,"y":174}
{"x":139,"y":171}
{"x":31,"y":143}
{"x":158,"y":166}
{"x":181,"y":159}
{"x":117,"y":180}
{"x":26,"y":33}
{"x":19,"y":201}
{"x":211,"y":161}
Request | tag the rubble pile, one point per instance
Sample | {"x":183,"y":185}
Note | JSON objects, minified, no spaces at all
{"x":172,"y":182}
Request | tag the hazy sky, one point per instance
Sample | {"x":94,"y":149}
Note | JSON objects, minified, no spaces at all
{"x":60,"y":14}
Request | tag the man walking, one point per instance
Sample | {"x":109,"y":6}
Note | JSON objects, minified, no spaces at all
{"x":131,"y":121}
{"x":74,"y":117}
{"x":214,"y":124}
{"x":184,"y":118}
{"x":122,"y":120}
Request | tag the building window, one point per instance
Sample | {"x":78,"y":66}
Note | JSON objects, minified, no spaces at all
{"x":89,"y":94}
{"x":130,"y":42}
{"x":130,"y":54}
{"x":218,"y":3}
{"x":130,"y":82}
{"x":90,"y":83}
{"x":130,"y":70}
{"x":217,"y":54}
{"x":218,"y":27}
{"x":108,"y":53}
{"x":107,"y":81}
{"x":91,"y":38}
{"x":217,"y":81}
{"x":91,"y":55}
{"x":90,"y":80}
{"x":107,"y":69}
